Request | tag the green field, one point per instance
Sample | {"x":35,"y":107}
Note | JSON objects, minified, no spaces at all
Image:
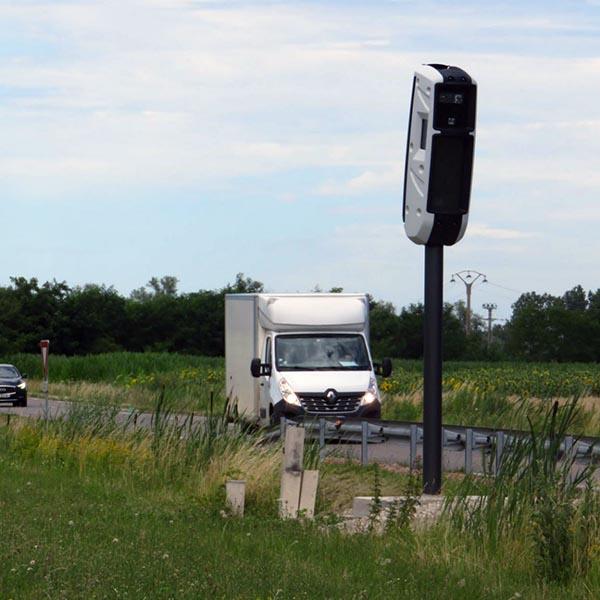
{"x":478,"y":394}
{"x":540,"y":380}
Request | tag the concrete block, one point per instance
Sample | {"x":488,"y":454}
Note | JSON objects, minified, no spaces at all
{"x":236,"y":495}
{"x":289,"y":501}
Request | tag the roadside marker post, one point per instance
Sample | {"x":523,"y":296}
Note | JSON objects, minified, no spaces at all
{"x":437,"y":190}
{"x":236,"y":493}
{"x":45,"y":350}
{"x":298,"y":487}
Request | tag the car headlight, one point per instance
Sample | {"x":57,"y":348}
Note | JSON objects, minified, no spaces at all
{"x":371,"y":393}
{"x":22,"y":385}
{"x":287,"y":393}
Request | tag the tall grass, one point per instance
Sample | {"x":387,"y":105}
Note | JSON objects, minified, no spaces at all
{"x":539,"y":495}
{"x":119,"y":366}
{"x":196,"y":454}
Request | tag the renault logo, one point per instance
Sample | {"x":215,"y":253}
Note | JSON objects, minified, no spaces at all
{"x":330,"y":396}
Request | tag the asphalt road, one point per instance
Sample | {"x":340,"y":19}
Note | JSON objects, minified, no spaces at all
{"x":36,"y":408}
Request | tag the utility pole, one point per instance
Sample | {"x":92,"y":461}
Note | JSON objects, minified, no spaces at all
{"x":489,"y":307}
{"x":468,"y":277}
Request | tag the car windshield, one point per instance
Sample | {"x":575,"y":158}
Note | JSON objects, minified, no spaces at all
{"x":8,"y":372}
{"x":321,"y":352}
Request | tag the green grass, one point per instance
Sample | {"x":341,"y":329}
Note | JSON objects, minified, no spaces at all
{"x":90,"y":510}
{"x":98,"y":535}
{"x":121,"y":367}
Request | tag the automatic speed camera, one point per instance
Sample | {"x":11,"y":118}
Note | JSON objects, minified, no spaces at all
{"x":439,"y":155}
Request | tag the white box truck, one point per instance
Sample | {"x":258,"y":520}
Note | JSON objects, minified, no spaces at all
{"x":300,"y":354}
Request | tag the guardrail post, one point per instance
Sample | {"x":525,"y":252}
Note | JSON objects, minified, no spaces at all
{"x":568,"y":442}
{"x":499,"y":451}
{"x":322,"y":430}
{"x":364,"y":453}
{"x":321,"y":433}
{"x":282,"y":425}
{"x":469,"y":451}
{"x":413,"y":446}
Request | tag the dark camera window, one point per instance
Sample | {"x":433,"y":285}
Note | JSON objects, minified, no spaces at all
{"x":450,"y":180}
{"x":423,"y":133}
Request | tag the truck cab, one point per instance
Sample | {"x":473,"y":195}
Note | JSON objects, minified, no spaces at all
{"x":319,"y":374}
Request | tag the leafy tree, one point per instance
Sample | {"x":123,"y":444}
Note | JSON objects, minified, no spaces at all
{"x":93,"y":319}
{"x":96,"y":318}
{"x":244,"y":285}
{"x":575,"y":299}
{"x":165,"y":286}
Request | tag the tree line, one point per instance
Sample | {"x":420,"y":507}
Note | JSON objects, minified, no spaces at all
{"x":97,"y":318}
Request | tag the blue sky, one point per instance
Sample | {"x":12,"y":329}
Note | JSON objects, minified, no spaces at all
{"x":201,"y":139}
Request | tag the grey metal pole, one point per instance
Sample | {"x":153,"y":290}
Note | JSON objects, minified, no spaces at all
{"x":321,"y":433}
{"x":413,"y":446}
{"x":568,"y":445}
{"x":364,"y":447}
{"x":46,"y":402}
{"x":432,"y":370}
{"x":468,"y":315}
{"x":490,"y":308}
{"x":469,"y":452}
{"x":282,"y":425}
{"x":499,"y":450}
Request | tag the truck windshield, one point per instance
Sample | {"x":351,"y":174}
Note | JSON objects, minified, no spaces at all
{"x":321,"y":352}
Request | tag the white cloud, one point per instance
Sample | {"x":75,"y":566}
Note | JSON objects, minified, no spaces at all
{"x":196,"y":92}
{"x":187,"y":89}
{"x":368,"y":181}
{"x":498,"y":233}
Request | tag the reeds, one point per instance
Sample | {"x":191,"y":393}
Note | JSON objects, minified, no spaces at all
{"x":540,"y":494}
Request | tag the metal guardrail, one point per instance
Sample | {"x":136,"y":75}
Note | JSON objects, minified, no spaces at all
{"x":470,"y":438}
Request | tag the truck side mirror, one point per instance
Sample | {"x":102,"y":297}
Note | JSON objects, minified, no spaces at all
{"x":257,"y":368}
{"x":23,"y":375}
{"x":384,"y":369}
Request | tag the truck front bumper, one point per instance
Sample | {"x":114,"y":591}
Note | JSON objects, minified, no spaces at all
{"x":291,"y":411}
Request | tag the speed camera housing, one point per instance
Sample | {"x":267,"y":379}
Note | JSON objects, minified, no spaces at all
{"x":439,"y":155}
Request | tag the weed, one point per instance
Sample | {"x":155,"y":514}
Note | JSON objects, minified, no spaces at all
{"x":376,"y":504}
{"x":403,"y":510}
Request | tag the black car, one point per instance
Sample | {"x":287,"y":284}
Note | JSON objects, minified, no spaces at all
{"x":13,"y":388}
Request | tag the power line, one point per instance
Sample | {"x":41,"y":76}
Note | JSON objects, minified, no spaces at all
{"x":504,"y":287}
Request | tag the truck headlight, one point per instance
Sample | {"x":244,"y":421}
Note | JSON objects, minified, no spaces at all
{"x":22,"y":385}
{"x":287,"y":393}
{"x":371,"y":393}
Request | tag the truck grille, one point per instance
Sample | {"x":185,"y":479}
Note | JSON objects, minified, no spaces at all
{"x":7,"y":389}
{"x":346,"y":402}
